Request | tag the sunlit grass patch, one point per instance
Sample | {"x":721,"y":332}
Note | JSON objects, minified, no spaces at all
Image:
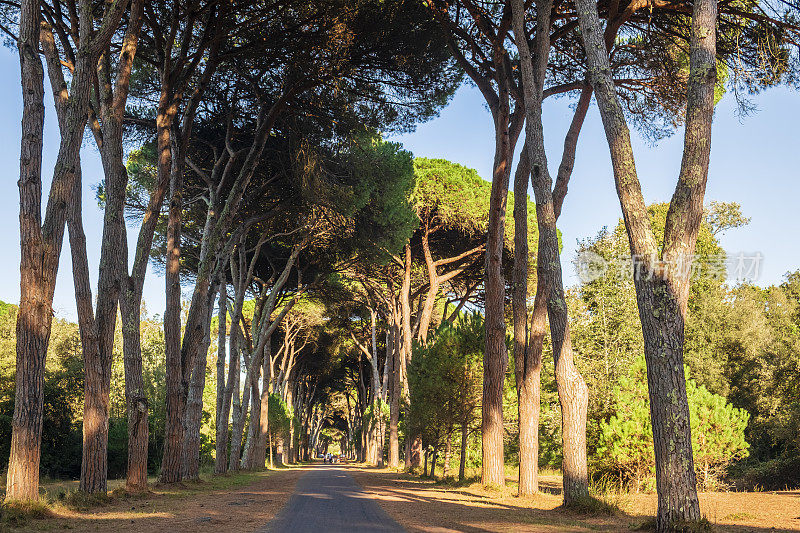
{"x":17,"y":514}
{"x":78,"y":500}
{"x":593,"y":505}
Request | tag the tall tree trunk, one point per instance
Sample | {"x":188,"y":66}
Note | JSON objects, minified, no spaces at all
{"x":394,"y":398}
{"x":413,"y":442}
{"x":572,"y":391}
{"x":34,"y":318}
{"x":495,"y":357}
{"x":221,"y":437}
{"x":527,"y":355}
{"x":130,"y":309}
{"x":113,"y":256}
{"x":194,"y":405}
{"x":175,"y":387}
{"x":97,"y":370}
{"x":662,"y":293}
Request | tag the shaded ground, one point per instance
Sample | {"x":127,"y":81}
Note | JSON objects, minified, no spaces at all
{"x":241,"y":503}
{"x":424,"y":506}
{"x":327,"y":499}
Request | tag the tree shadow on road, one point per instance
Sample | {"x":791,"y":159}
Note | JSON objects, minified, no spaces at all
{"x":424,"y":505}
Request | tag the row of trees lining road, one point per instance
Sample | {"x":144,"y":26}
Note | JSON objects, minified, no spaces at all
{"x":244,"y":141}
{"x":313,"y":50}
{"x":725,"y":373}
{"x":617,"y":62}
{"x":608,"y":342}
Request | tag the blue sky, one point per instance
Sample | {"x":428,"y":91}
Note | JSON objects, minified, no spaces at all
{"x":754,"y":161}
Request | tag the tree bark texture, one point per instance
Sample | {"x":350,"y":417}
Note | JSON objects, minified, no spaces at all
{"x":221,"y":440}
{"x":527,"y":359}
{"x":662,"y":286}
{"x":572,"y":391}
{"x":41,"y":242}
{"x":194,"y":405}
{"x":495,"y":357}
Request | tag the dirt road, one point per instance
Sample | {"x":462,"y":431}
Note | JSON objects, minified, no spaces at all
{"x":327,"y":499}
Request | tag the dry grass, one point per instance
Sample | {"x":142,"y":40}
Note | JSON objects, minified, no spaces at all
{"x":241,"y":502}
{"x":246,"y":502}
{"x":424,"y":506}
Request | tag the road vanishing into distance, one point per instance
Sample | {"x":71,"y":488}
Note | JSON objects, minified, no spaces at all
{"x":327,"y":499}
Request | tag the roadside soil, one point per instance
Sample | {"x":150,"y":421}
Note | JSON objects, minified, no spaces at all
{"x":247,"y":502}
{"x":238,"y":503}
{"x":424,"y":506}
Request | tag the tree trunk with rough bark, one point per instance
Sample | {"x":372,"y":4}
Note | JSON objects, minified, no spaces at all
{"x":194,"y":404}
{"x":175,"y":386}
{"x":33,"y":319}
{"x":239,"y":416}
{"x":572,"y":391}
{"x":527,"y":344}
{"x":259,"y":453}
{"x":221,"y":440}
{"x":495,"y":356}
{"x":413,"y":442}
{"x":394,"y":397}
{"x":113,"y":269}
{"x":135,"y":397}
{"x":130,"y":308}
{"x":41,"y":242}
{"x":251,"y":442}
{"x":662,"y":280}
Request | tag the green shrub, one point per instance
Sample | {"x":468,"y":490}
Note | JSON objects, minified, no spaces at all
{"x":625,"y":446}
